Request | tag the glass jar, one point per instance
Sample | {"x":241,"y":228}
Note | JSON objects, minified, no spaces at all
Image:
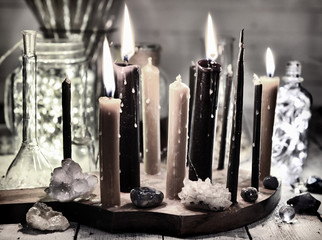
{"x":58,"y":59}
{"x":293,"y":113}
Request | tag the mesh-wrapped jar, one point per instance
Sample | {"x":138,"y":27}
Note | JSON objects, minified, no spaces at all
{"x":293,"y":112}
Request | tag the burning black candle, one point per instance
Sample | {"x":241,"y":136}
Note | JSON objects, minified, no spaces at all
{"x":204,"y":111}
{"x":234,"y":157}
{"x":67,"y":139}
{"x":256,"y":131}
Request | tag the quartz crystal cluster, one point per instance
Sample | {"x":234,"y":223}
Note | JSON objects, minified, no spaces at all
{"x":68,"y":182}
{"x":205,"y":195}
{"x":42,"y":217}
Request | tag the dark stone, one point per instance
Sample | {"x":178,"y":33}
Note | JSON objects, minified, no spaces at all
{"x":145,"y":197}
{"x":314,"y":184}
{"x":305,"y":203}
{"x":249,"y":194}
{"x":270,"y":182}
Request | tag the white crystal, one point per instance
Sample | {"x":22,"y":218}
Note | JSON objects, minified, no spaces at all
{"x":205,"y":195}
{"x":42,"y":217}
{"x":68,"y":182}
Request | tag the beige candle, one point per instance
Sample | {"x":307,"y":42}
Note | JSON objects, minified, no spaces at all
{"x":269,"y":94}
{"x":179,"y":94}
{"x":151,"y":119}
{"x":109,"y":125}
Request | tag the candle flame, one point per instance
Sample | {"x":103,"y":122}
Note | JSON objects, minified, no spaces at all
{"x":127,"y":49}
{"x":211,"y":43}
{"x":107,"y":69}
{"x":270,"y":65}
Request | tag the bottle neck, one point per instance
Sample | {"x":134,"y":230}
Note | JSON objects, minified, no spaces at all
{"x":29,"y":135}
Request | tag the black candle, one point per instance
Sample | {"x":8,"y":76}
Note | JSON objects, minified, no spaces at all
{"x":234,"y":157}
{"x":67,"y":139}
{"x":222,"y":149}
{"x":203,"y":119}
{"x":192,"y":82}
{"x":256,"y":131}
{"x":127,"y":89}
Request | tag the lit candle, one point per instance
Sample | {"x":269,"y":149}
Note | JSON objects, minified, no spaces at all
{"x":223,"y":140}
{"x":204,"y":110}
{"x":256,"y":131}
{"x":109,"y":125}
{"x":127,"y":89}
{"x":236,"y":130}
{"x":151,"y":119}
{"x":177,"y":136}
{"x":67,"y":139}
{"x":269,"y":94}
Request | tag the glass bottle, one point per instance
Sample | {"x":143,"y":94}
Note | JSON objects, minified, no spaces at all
{"x":29,"y":168}
{"x":293,"y":112}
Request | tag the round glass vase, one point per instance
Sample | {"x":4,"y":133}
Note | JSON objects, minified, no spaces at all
{"x":30,"y":168}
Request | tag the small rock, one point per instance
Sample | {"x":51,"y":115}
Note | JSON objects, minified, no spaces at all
{"x":314,"y":184}
{"x":145,"y":197}
{"x":304,"y":203}
{"x":42,"y":217}
{"x":249,"y":194}
{"x":270,"y":182}
{"x":286,"y":213}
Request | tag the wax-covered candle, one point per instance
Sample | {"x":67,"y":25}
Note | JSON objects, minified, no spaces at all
{"x":67,"y":134}
{"x":204,"y":111}
{"x":109,"y":125}
{"x":151,"y":118}
{"x":269,"y":94}
{"x":177,"y":136}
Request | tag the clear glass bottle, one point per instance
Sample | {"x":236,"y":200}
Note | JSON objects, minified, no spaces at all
{"x":29,"y":168}
{"x":293,"y":113}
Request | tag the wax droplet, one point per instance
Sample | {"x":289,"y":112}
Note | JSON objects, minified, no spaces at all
{"x":208,"y":135}
{"x":200,"y":96}
{"x":179,"y":131}
{"x":146,"y":150}
{"x":210,"y":91}
{"x":101,"y":178}
{"x":257,"y":112}
{"x":159,"y":107}
{"x":109,"y":113}
{"x":133,"y":90}
{"x":119,"y":135}
{"x":233,"y":138}
{"x":200,"y":116}
{"x":268,"y":107}
{"x":147,"y":101}
{"x":195,"y":75}
{"x":121,"y":95}
{"x":179,"y":141}
{"x":125,"y":82}
{"x":212,"y":116}
{"x":253,"y":144}
{"x":135,"y":125}
{"x":121,"y":110}
{"x":122,"y":105}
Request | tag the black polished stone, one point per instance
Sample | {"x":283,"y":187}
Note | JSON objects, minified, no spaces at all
{"x":145,"y":197}
{"x":314,"y":184}
{"x":249,"y":194}
{"x":305,"y":203}
{"x":270,"y":182}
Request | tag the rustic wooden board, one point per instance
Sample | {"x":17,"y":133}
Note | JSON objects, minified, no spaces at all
{"x":171,"y":218}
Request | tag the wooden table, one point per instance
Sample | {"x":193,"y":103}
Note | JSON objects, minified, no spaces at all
{"x":304,"y":226}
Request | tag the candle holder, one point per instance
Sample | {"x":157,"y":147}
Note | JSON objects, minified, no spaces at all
{"x":30,"y":168}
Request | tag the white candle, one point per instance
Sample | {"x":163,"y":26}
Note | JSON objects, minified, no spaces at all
{"x":179,"y":94}
{"x":151,"y":119}
{"x":109,"y":125}
{"x":269,"y":94}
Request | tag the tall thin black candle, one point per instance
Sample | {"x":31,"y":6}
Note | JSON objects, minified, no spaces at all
{"x":234,"y":157}
{"x":223,"y":141}
{"x":256,"y":131}
{"x":67,"y":139}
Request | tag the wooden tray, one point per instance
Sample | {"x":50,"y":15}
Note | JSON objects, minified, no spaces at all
{"x":171,"y":218}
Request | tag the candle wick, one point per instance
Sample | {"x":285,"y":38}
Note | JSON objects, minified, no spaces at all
{"x":150,"y":61}
{"x":126,"y":59}
{"x":270,"y":75}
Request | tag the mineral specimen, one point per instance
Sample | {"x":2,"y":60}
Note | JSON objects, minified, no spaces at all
{"x":145,"y":197}
{"x":270,"y":182}
{"x":42,"y":217}
{"x":205,"y":195}
{"x":68,"y":182}
{"x":305,"y":203}
{"x":249,"y":194}
{"x":286,"y":213}
{"x":314,"y":184}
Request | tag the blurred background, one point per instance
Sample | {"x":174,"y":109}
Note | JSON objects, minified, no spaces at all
{"x":291,"y":28}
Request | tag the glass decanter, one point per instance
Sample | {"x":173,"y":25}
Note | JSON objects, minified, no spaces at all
{"x":30,"y":168}
{"x":293,"y":113}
